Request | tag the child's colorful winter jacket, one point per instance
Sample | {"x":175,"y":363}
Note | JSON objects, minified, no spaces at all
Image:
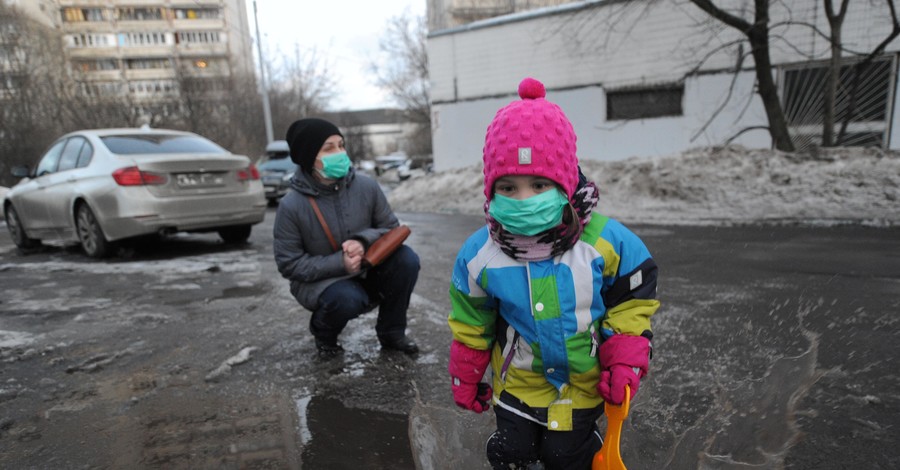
{"x":553,"y":314}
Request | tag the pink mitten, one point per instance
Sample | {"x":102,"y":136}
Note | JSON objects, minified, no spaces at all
{"x":624,"y":360}
{"x":467,"y":367}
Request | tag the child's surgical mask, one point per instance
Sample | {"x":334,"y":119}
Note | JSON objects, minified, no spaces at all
{"x":529,"y":216}
{"x":335,"y":166}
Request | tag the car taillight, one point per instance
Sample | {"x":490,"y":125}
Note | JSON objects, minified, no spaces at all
{"x":132,"y":176}
{"x":249,"y":173}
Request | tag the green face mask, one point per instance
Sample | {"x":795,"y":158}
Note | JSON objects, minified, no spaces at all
{"x":529,"y":216}
{"x":335,"y":166}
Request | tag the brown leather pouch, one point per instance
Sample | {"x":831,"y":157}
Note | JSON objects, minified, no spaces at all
{"x":385,"y":246}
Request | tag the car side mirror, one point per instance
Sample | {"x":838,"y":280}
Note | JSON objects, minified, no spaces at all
{"x":21,"y":171}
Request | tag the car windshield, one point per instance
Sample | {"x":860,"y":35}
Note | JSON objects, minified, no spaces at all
{"x":136,"y":144}
{"x":281,"y":164}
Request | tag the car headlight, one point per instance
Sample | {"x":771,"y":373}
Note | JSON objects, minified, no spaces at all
{"x":287,"y":177}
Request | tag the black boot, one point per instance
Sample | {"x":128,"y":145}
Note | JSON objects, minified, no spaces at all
{"x":328,"y":348}
{"x":404,"y":345}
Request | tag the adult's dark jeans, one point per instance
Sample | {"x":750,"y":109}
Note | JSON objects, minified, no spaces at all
{"x":388,"y":286}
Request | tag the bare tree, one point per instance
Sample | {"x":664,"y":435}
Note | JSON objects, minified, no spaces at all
{"x":224,"y":108}
{"x":32,"y":91}
{"x":404,"y":74}
{"x":836,"y":23}
{"x":757,"y":34}
{"x":86,"y":104}
{"x":299,"y":87}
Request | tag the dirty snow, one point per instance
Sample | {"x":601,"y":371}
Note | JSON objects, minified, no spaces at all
{"x":241,"y":357}
{"x":708,"y":186}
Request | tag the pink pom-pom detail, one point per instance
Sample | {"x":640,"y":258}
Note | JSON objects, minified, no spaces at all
{"x":531,"y":89}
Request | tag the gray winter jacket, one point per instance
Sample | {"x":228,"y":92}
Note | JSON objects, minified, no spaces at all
{"x":354,"y":208}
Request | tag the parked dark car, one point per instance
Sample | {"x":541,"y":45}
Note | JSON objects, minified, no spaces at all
{"x":276,"y":170}
{"x":100,"y":186}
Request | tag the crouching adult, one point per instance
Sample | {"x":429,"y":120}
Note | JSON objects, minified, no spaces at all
{"x":322,"y":230}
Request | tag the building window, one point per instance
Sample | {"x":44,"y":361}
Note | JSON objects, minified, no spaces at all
{"x":151,"y":87}
{"x":200,"y":85}
{"x":197,"y":13}
{"x":10,"y":84}
{"x":196,"y":37}
{"x":863,"y":112}
{"x":95,"y":65}
{"x":77,"y":15}
{"x":142,"y":39}
{"x":151,"y":63}
{"x":139,"y":14}
{"x":11,"y":56}
{"x":101,"y":89}
{"x":643,"y":103}
{"x":89,"y":40}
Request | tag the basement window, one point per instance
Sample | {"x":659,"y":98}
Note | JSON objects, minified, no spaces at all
{"x":643,"y":103}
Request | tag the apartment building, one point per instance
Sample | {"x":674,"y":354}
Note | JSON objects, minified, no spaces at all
{"x":143,"y":48}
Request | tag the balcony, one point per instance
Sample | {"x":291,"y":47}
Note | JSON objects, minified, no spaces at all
{"x":142,"y":25}
{"x":185,"y":24}
{"x":100,"y":75}
{"x":194,"y":49}
{"x":92,"y":52}
{"x":150,"y":74}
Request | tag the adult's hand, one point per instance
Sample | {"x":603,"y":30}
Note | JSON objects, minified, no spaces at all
{"x":353,"y":248}
{"x":353,"y":251}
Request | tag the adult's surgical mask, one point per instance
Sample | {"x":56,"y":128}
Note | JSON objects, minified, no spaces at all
{"x":529,"y":216}
{"x":335,"y":166}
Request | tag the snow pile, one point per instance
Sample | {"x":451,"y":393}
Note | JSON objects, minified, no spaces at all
{"x":708,"y":186}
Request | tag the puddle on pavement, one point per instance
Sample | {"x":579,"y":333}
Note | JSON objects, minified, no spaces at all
{"x":336,"y":437}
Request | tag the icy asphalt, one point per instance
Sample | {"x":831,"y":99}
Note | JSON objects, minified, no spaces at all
{"x":776,"y":347}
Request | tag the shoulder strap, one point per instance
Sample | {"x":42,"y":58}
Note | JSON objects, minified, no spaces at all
{"x":315,"y":207}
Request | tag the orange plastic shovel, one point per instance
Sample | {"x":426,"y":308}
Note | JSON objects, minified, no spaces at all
{"x":608,"y":457}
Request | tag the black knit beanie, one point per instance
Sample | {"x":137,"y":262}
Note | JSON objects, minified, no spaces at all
{"x":306,"y":137}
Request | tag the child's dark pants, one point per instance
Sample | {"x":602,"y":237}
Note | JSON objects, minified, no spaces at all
{"x":519,"y":442}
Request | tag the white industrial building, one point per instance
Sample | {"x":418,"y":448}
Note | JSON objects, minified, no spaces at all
{"x":654,"y":77}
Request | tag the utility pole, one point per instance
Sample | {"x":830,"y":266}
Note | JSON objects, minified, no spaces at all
{"x":264,"y":86}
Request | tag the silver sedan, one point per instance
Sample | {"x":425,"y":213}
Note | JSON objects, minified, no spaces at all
{"x":97,"y":187}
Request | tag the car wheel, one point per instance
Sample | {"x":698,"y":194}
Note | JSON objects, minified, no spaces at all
{"x":235,"y":235}
{"x":17,"y":231}
{"x":90,"y":235}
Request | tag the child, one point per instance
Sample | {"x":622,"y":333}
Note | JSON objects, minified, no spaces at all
{"x":557,"y":298}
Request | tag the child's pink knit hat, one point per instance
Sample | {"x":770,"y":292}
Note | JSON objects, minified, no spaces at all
{"x":531,"y":137}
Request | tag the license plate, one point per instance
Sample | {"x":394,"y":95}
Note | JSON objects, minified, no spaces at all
{"x":199,"y":180}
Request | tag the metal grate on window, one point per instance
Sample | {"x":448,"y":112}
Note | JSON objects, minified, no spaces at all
{"x":861,"y":105}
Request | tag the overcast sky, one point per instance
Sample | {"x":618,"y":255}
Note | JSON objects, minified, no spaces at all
{"x":345,"y":31}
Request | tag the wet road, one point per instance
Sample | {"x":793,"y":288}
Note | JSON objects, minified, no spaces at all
{"x":776,"y":347}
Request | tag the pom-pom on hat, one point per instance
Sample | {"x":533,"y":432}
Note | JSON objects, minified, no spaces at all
{"x":531,"y":136}
{"x":305,"y":138}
